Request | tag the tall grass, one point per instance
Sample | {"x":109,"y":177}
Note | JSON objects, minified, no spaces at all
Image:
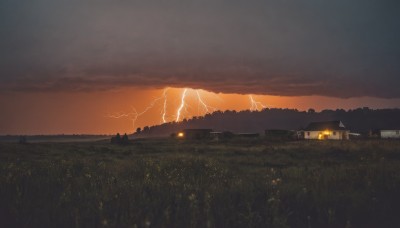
{"x":173,"y":184}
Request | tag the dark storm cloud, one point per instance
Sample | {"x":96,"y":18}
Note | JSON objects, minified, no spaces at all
{"x":283,"y":47}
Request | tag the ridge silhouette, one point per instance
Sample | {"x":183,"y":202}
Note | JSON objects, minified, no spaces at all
{"x":360,"y":120}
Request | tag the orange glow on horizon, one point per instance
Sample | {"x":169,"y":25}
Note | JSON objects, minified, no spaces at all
{"x":89,"y":112}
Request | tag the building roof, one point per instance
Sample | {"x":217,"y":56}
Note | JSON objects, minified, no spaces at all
{"x":197,"y":130}
{"x":248,"y":134}
{"x":327,"y":125}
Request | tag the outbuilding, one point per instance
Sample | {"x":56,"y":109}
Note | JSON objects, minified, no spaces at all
{"x":248,"y":135}
{"x":390,"y":134}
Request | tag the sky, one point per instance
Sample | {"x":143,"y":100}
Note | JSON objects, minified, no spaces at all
{"x":71,"y":66}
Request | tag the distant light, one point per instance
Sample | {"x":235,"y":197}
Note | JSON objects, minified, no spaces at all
{"x":327,"y":132}
{"x":180,"y":134}
{"x":322,"y":135}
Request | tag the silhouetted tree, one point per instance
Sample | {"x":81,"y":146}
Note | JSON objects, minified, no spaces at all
{"x":124,"y":139}
{"x":138,"y":130}
{"x":120,"y":140}
{"x":116,"y":139}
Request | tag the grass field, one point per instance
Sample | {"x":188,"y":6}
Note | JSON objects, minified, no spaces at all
{"x":170,"y":183}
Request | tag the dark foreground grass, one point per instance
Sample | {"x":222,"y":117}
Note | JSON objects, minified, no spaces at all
{"x":166,"y":183}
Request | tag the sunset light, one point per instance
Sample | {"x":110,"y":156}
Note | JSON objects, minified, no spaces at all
{"x":193,"y":102}
{"x":176,"y":104}
{"x":127,"y":108}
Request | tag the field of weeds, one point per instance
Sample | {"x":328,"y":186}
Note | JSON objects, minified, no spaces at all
{"x":169,"y":183}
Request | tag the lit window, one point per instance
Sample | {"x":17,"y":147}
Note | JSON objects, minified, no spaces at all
{"x":397,"y":132}
{"x":180,"y":134}
{"x":327,"y":132}
{"x":308,"y":133}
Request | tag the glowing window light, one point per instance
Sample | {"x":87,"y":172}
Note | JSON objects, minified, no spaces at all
{"x":180,"y":134}
{"x":324,"y":134}
{"x":327,"y":132}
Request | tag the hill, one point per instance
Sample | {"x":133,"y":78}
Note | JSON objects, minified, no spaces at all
{"x":360,"y":120}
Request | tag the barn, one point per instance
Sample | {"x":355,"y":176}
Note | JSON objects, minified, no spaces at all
{"x":248,"y":135}
{"x":195,"y":134}
{"x":326,"y":130}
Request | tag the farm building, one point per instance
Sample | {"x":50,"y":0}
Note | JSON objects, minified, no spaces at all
{"x":221,"y":135}
{"x":326,"y":130}
{"x":195,"y":134}
{"x":278,"y":134}
{"x":216,"y":135}
{"x":248,"y":135}
{"x":390,"y":134}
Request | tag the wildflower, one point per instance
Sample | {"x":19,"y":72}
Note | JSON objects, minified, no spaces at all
{"x":192,"y":197}
{"x":276,"y":181}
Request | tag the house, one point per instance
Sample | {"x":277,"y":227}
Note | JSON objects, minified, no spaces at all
{"x":194,"y":134}
{"x":326,"y":130}
{"x":390,"y":134}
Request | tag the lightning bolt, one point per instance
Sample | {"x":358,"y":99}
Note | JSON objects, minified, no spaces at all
{"x":178,"y":112}
{"x":254,"y":105}
{"x":164,"y":112}
{"x":134,"y":114}
{"x":183,"y":108}
{"x":202,"y":103}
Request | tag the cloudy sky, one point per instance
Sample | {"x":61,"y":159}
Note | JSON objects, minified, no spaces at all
{"x":337,"y":49}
